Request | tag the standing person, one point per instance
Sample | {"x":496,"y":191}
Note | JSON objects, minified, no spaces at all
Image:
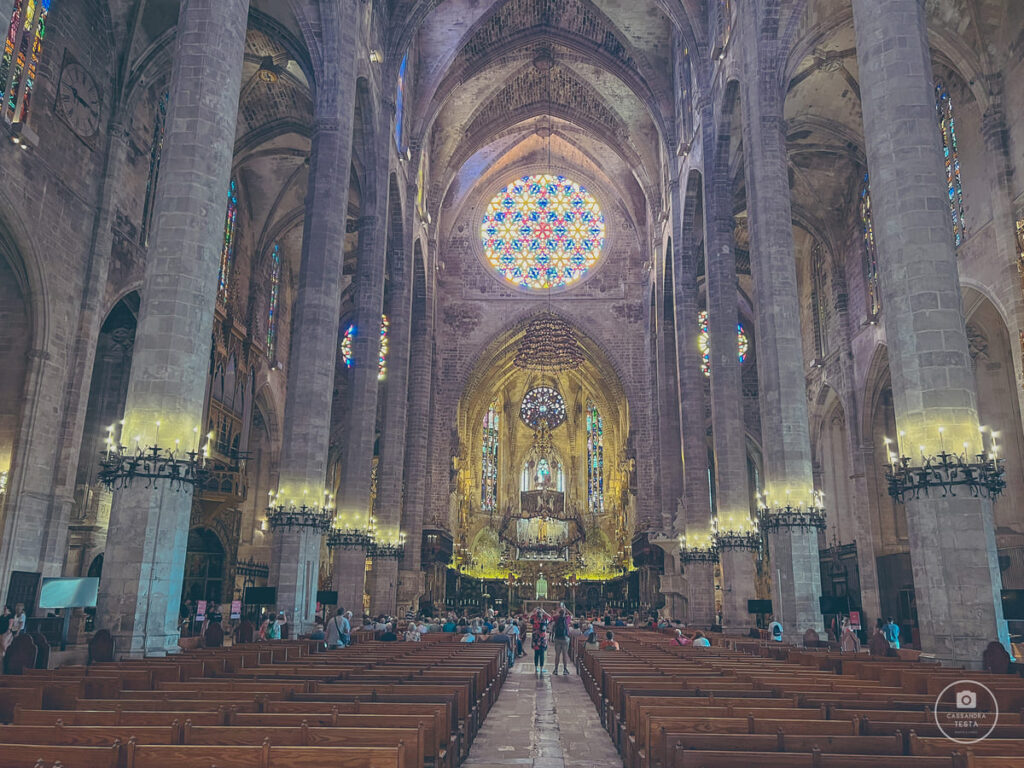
{"x":517,"y":638}
{"x":540,"y":646}
{"x":775,"y":630}
{"x":5,"y":632}
{"x":848,"y":642}
{"x":19,"y":620}
{"x":338,"y":629}
{"x":539,"y":616}
{"x":560,"y":636}
{"x":891,"y":630}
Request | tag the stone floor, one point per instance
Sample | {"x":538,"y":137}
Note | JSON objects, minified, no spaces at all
{"x":543,"y":722}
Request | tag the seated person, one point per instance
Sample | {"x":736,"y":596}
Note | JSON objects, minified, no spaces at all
{"x":609,"y":643}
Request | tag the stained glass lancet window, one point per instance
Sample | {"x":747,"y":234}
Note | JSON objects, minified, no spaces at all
{"x":272,"y":303}
{"x":24,"y":44}
{"x":400,"y":101}
{"x":159,"y":123}
{"x":951,"y":157}
{"x":346,"y":346}
{"x":542,"y":232}
{"x":595,"y":459}
{"x":382,"y":360}
{"x":874,"y":300}
{"x":227,"y":252}
{"x":819,"y":294}
{"x":489,"y":474}
{"x":704,"y":343}
{"x":542,"y":403}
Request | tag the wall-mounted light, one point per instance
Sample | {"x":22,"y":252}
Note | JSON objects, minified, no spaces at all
{"x":376,"y":56}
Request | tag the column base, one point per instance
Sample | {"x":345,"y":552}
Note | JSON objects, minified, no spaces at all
{"x":410,"y":589}
{"x":700,"y":594}
{"x":957,"y":581}
{"x":382,"y":584}
{"x":349,"y":577}
{"x":738,"y":586}
{"x":796,"y":580}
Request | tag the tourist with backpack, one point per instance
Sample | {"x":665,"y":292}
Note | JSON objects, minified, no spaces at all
{"x":560,"y":639}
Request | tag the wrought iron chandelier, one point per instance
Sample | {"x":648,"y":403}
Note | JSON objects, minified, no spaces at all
{"x":120,"y":466}
{"x":349,"y":538}
{"x":698,"y":551}
{"x":302,"y":515}
{"x":982,"y":476}
{"x":548,"y":346}
{"x":729,"y":538}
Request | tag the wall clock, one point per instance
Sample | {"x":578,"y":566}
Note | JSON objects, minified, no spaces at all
{"x":79,"y":99}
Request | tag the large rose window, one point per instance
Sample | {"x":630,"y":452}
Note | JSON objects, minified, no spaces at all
{"x":543,"y":231}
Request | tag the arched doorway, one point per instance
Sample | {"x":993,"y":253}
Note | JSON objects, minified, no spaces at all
{"x":15,"y":342}
{"x":204,"y":567}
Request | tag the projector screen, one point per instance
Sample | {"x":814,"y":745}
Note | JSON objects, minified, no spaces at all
{"x":69,"y":593}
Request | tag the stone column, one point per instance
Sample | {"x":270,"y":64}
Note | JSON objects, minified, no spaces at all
{"x":391,"y":469}
{"x":952,"y":541}
{"x":786,"y":445}
{"x":140,"y":592}
{"x":295,"y":553}
{"x":417,"y":435}
{"x":731,"y":493}
{"x":357,"y":452}
{"x":696,"y":518}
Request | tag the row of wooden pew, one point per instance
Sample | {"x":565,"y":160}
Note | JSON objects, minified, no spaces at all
{"x":667,"y":706}
{"x":287,"y":704}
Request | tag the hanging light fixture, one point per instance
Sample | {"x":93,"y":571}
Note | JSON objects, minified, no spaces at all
{"x":548,"y":346}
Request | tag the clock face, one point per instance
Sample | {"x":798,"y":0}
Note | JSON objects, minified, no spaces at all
{"x":79,"y":100}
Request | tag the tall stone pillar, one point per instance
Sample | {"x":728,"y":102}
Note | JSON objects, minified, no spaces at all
{"x":295,"y":553}
{"x":696,"y":522}
{"x":391,"y":469}
{"x":786,"y":444}
{"x":731,"y":493}
{"x":357,"y":452}
{"x":417,"y":435}
{"x":140,"y":592}
{"x":952,"y":541}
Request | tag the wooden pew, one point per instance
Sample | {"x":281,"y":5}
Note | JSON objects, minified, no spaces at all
{"x":29,"y":755}
{"x":264,"y":756}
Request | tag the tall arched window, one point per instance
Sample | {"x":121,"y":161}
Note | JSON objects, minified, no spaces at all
{"x":489,"y":473}
{"x":272,"y":303}
{"x":382,"y":360}
{"x":24,"y":43}
{"x":951,"y":157}
{"x":819,"y":298}
{"x":867,"y":223}
{"x":227,"y":252}
{"x":595,"y":459}
{"x":704,"y":342}
{"x":157,"y":148}
{"x":400,"y":101}
{"x":348,"y":351}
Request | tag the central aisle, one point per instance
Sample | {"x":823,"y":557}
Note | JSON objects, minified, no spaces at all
{"x":543,"y":722}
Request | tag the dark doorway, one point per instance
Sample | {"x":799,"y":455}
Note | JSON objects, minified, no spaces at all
{"x":204,"y":567}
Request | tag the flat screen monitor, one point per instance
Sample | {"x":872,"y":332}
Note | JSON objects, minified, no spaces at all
{"x":260,"y":595}
{"x":829,"y":604}
{"x":328,"y":597}
{"x":759,"y":606}
{"x":1013,"y":604}
{"x":75,"y":592}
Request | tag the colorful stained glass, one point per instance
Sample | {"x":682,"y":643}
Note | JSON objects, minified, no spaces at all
{"x":400,"y":102}
{"x":595,"y":459}
{"x":489,"y":479}
{"x":24,"y":42}
{"x":227,"y":251}
{"x":155,"y":150}
{"x":704,"y":342}
{"x":346,"y":346}
{"x":951,"y":158}
{"x":874,"y":297}
{"x":272,"y":303}
{"x":542,"y":403}
{"x":543,"y":231}
{"x":382,"y":360}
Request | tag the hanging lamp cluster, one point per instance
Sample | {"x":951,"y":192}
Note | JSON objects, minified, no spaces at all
{"x":548,"y":346}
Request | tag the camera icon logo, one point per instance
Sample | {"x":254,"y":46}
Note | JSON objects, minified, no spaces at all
{"x":966,"y":699}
